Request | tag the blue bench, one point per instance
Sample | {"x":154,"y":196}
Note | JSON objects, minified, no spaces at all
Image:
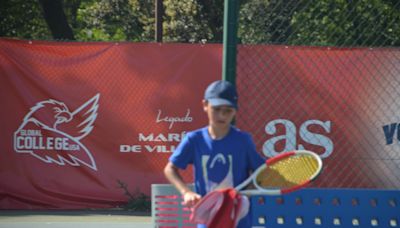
{"x":345,"y":208}
{"x":328,"y":208}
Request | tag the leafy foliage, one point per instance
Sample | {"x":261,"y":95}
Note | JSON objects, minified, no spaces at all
{"x":326,"y":22}
{"x":110,"y":20}
{"x":290,"y":22}
{"x":137,"y":201}
{"x":185,"y":22}
{"x":348,"y":23}
{"x":266,"y":21}
{"x":22,"y":19}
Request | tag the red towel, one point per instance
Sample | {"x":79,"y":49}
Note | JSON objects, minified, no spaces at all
{"x":220,"y":208}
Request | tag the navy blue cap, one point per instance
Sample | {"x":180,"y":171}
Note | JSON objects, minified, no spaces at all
{"x":221,"y":93}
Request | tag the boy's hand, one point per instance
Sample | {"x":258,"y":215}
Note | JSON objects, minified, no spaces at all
{"x":190,"y":198}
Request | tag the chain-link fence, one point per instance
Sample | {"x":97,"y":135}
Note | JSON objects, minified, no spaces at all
{"x":320,"y":75}
{"x":324,"y":76}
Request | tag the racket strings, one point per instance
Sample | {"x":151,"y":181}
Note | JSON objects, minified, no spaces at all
{"x":288,"y":172}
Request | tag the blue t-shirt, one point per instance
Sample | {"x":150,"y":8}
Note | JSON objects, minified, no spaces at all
{"x":220,"y":163}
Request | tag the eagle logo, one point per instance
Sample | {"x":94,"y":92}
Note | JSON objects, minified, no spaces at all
{"x":52,"y":133}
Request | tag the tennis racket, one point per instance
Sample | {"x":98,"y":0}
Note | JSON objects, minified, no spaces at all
{"x":284,"y":173}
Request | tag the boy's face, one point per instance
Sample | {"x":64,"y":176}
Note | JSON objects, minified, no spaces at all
{"x":219,"y":116}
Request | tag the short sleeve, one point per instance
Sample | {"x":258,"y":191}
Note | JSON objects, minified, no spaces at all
{"x":183,"y":154}
{"x":255,"y":158}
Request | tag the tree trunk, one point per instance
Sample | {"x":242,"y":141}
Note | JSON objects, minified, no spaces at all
{"x":56,"y":19}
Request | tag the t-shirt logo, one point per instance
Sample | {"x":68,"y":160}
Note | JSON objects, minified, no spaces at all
{"x":217,"y":171}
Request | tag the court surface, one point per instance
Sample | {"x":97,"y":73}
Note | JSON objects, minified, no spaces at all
{"x":64,"y":219}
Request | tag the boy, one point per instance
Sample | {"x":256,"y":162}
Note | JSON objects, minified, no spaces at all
{"x":222,"y":155}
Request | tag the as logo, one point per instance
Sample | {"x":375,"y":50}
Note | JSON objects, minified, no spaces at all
{"x":52,"y":133}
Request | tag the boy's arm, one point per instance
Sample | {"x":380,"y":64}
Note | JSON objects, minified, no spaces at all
{"x":190,"y":198}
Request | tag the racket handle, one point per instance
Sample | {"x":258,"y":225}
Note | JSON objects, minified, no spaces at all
{"x":246,"y":182}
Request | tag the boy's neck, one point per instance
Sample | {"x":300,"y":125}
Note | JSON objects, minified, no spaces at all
{"x":218,"y":133}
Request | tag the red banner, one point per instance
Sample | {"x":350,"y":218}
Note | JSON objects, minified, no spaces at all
{"x":77,"y":118}
{"x":339,"y":102}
